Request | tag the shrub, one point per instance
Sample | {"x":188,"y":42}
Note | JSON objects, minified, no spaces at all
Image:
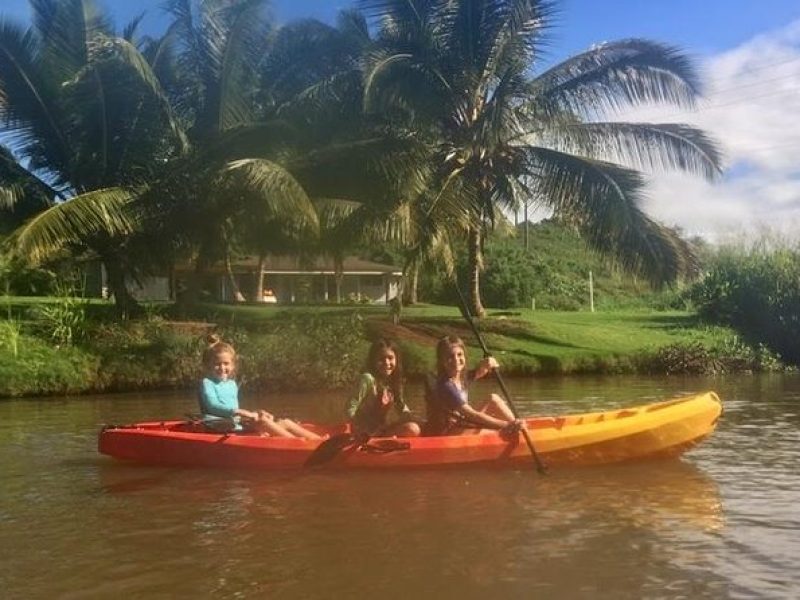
{"x":64,"y":320}
{"x":38,"y":368}
{"x":729,"y":356}
{"x":310,"y":351}
{"x":756,"y":291}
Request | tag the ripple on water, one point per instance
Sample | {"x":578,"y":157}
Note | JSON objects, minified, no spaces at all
{"x":721,"y":524}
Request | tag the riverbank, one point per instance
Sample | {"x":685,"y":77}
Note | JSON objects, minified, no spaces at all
{"x":308,"y":348}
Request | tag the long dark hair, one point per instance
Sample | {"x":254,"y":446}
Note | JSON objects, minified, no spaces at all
{"x":377,"y":348}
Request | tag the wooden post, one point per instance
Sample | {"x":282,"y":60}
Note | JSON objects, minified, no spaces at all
{"x":591,"y":292}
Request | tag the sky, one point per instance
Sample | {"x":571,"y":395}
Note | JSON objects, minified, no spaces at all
{"x":748,"y":52}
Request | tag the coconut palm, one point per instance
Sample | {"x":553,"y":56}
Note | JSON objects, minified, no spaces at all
{"x":361,"y":169}
{"x":22,"y":195}
{"x":461,"y":73}
{"x":85,"y":114}
{"x":284,"y":139}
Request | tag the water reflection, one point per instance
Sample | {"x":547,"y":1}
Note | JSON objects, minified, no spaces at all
{"x":723,"y":523}
{"x":476,"y":530}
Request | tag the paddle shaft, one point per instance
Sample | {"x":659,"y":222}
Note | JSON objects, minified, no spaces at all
{"x":465,"y":310}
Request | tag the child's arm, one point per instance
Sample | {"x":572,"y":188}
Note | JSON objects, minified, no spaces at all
{"x":211,"y":403}
{"x":487,"y":365}
{"x":366,"y":386}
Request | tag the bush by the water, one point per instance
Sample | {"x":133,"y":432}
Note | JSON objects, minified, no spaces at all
{"x":696,"y":358}
{"x":302,"y":352}
{"x":757,"y":292}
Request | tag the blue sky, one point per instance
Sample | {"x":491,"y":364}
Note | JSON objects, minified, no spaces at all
{"x":699,"y":26}
{"x":749,"y":54}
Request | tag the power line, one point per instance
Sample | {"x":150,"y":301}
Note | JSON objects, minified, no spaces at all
{"x":795,"y":76}
{"x":769,"y":66}
{"x":743,"y":100}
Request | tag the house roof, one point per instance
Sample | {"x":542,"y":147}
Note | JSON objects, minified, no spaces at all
{"x":294,"y":265}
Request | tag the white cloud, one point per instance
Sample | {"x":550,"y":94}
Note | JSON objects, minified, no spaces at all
{"x":752,"y":108}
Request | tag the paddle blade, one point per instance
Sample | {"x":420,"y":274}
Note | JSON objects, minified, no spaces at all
{"x":330,"y":448}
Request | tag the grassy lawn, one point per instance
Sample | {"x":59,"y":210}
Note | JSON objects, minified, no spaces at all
{"x":311,"y":347}
{"x":527,"y":341}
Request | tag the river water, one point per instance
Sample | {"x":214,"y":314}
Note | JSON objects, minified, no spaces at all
{"x":723,"y":522}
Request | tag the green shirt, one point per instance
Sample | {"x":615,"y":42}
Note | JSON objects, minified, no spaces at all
{"x":369,"y":408}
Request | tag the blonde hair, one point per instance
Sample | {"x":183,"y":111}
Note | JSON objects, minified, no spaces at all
{"x":443,"y":351}
{"x":214,"y":347}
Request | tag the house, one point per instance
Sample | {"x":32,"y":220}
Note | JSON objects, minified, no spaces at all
{"x":284,"y":280}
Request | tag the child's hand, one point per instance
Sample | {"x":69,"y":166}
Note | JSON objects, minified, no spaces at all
{"x":491,"y":363}
{"x":266,"y":416}
{"x":512,"y":429}
{"x":247,"y":415}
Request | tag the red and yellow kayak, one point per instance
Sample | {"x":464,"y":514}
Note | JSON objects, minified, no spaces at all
{"x":659,"y":430}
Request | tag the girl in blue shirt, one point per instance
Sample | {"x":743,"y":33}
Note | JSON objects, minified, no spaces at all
{"x":219,"y":399}
{"x":449,"y":411}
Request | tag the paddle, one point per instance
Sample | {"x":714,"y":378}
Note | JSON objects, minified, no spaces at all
{"x":465,"y":311}
{"x":330,"y":448}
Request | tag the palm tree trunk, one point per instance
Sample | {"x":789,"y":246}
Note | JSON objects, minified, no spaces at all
{"x":338,"y":276}
{"x":194,"y":285}
{"x":411,"y":291}
{"x":526,"y":224}
{"x":258,"y":291}
{"x":475,"y":265}
{"x":125,"y":304}
{"x":237,"y":292}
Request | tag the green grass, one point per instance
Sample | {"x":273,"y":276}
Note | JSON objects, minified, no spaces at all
{"x":312,"y":347}
{"x":528,"y":341}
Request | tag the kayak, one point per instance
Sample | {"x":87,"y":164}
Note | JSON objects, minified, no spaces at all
{"x":659,"y":430}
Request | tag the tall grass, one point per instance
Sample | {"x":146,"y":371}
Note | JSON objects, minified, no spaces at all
{"x":755,"y":288}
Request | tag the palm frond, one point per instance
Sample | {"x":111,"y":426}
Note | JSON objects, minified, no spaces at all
{"x":617,"y":75}
{"x":602,"y":201}
{"x":29,"y":110}
{"x":132,"y":59}
{"x":222,"y":47}
{"x":266,"y":190}
{"x":648,"y":146}
{"x":384,"y":166}
{"x":10,"y":194}
{"x":129,"y":31}
{"x":66,"y":29}
{"x":100,"y":211}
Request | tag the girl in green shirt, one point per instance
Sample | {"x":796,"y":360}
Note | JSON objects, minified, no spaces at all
{"x":380,"y":392}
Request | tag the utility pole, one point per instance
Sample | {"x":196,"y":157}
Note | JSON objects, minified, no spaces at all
{"x":526,"y":224}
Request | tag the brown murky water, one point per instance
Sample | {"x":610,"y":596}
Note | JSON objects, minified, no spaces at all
{"x":724,"y":522}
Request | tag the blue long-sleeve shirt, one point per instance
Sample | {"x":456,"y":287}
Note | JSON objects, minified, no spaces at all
{"x":219,"y":399}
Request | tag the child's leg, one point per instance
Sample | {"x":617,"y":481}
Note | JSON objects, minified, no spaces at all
{"x":297,"y":430}
{"x":403,"y":429}
{"x":274,"y":428}
{"x":497,"y":407}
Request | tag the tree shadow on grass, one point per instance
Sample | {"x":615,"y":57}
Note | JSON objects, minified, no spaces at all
{"x":433,"y":329}
{"x":668,"y":322}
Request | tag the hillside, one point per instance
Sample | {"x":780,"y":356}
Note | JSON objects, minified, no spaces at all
{"x":553,"y":272}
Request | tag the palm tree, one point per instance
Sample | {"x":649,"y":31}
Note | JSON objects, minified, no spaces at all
{"x":22,"y":195}
{"x":460,"y":73}
{"x":360,"y":169}
{"x":263,"y":155}
{"x":85,"y":114}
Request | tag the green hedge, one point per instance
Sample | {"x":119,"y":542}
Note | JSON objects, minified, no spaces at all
{"x":757,"y":292}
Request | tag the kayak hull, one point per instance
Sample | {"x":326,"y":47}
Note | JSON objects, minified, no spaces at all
{"x":651,"y":431}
